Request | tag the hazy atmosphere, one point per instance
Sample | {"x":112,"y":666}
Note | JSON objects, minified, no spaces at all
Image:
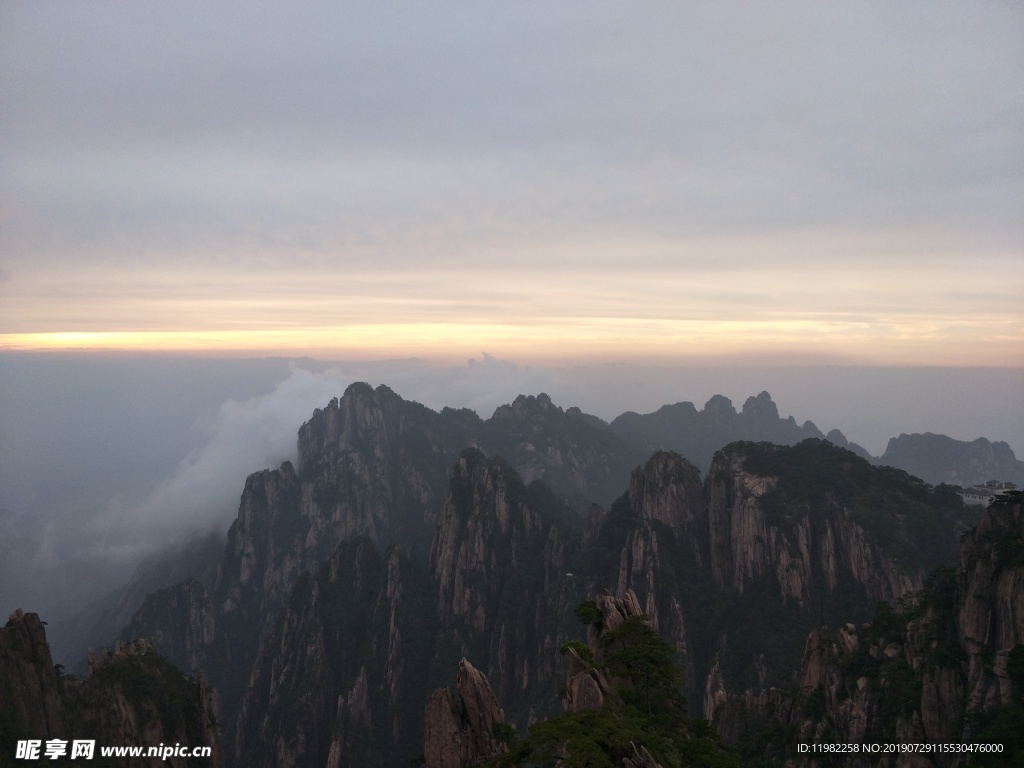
{"x":213,"y":219}
{"x":696,"y":181}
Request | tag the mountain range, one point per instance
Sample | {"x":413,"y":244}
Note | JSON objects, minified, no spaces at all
{"x":406,"y":543}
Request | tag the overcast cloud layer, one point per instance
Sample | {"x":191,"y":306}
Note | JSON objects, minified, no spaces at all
{"x":584,"y":180}
{"x":581,"y":189}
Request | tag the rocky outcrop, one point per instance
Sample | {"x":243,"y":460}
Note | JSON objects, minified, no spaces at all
{"x":990,"y":621}
{"x":641,"y":758}
{"x":586,"y":686}
{"x":128,"y":697}
{"x":666,"y":501}
{"x":463,"y":728}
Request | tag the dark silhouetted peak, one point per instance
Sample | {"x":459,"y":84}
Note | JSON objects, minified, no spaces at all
{"x":719,"y":406}
{"x":696,"y":435}
{"x":810,"y":429}
{"x":376,"y":421}
{"x":837,"y":438}
{"x":358,"y":389}
{"x":527,"y":406}
{"x":761,"y":408}
{"x":941,"y":459}
{"x":31,"y":697}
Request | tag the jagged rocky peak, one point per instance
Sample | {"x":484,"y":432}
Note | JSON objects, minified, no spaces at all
{"x":613,"y":614}
{"x":761,"y":408}
{"x":720,"y":406}
{"x":498,"y":564}
{"x":361,"y":413}
{"x":250,"y":549}
{"x":526,"y":406}
{"x":575,"y":453}
{"x":668,"y":489}
{"x":463,"y":728}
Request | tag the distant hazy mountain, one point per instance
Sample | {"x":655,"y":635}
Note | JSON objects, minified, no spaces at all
{"x":97,"y":623}
{"x":940,"y":459}
{"x":696,"y":435}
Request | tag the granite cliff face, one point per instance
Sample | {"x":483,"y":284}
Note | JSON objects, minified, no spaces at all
{"x":803,"y":546}
{"x":622,"y":700}
{"x":376,"y":465}
{"x":351,"y":584}
{"x":499,"y":559}
{"x":130,"y":697}
{"x":947,"y":665}
{"x":737,"y":571}
{"x":352,"y":653}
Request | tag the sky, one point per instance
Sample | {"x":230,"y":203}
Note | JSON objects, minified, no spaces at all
{"x":213,"y":217}
{"x":572,"y":183}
